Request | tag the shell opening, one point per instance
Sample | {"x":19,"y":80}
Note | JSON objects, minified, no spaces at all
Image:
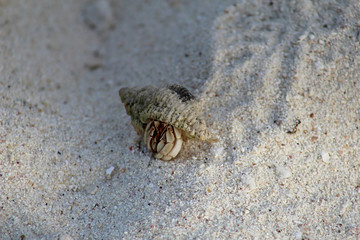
{"x":163,"y":140}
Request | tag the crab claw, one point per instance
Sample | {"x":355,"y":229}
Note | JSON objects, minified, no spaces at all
{"x":163,"y":140}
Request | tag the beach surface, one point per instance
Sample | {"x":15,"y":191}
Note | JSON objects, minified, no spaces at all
{"x":279,"y":85}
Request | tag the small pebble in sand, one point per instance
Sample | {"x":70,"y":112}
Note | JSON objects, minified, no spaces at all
{"x":291,"y":128}
{"x":249,"y":183}
{"x":93,"y":190}
{"x":218,"y":152}
{"x":282,"y":172}
{"x":325,"y":156}
{"x":110,"y":172}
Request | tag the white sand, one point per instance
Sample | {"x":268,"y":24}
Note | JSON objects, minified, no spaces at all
{"x":70,"y":163}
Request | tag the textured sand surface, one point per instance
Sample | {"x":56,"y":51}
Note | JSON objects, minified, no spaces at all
{"x":279,"y":82}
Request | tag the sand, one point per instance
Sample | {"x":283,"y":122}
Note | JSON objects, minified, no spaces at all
{"x":278,"y":81}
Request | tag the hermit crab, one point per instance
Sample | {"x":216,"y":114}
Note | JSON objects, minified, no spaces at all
{"x":165,"y":117}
